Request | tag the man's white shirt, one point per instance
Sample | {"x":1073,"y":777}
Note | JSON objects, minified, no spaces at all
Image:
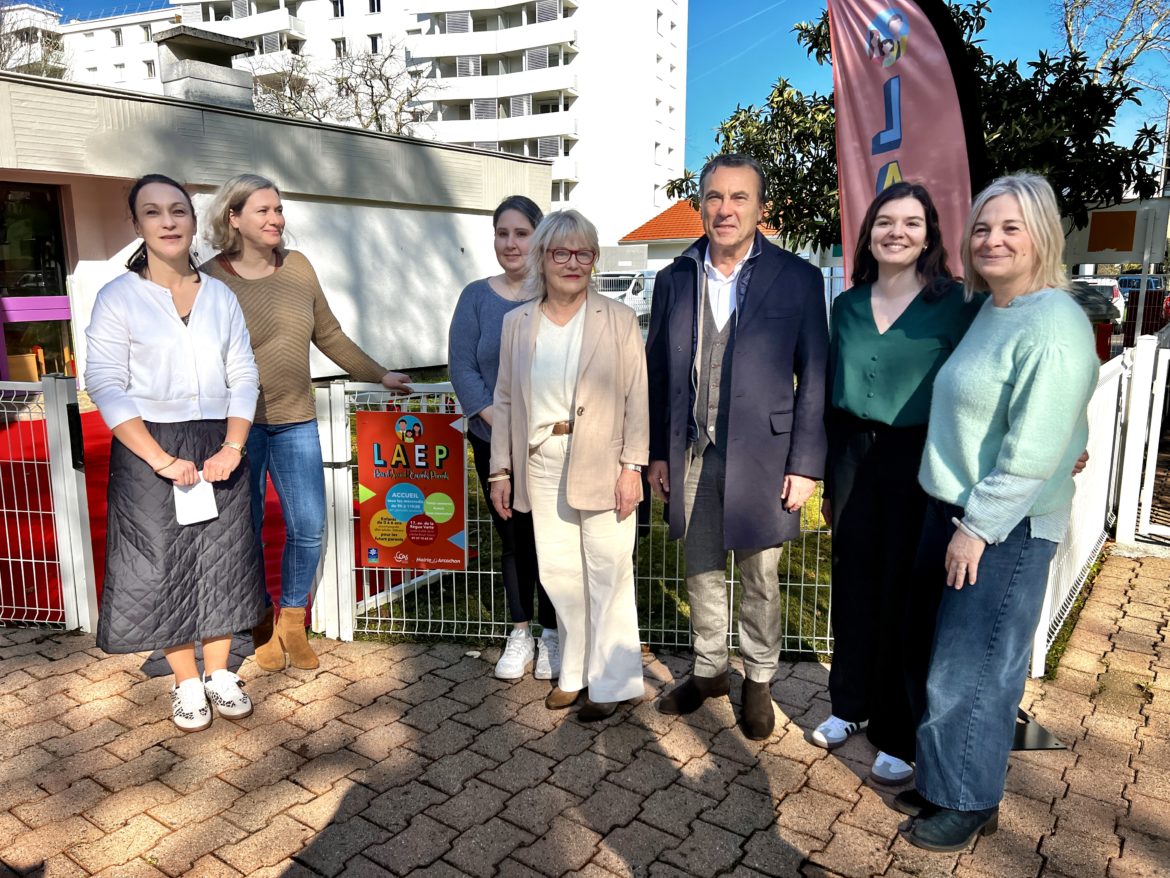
{"x":721,"y":290}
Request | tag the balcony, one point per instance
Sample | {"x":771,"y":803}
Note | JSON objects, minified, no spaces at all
{"x":493,"y":42}
{"x":463,"y":88}
{"x":515,"y":128}
{"x":564,"y":168}
{"x":276,"y":21}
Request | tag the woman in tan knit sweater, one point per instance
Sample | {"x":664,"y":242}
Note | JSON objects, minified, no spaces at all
{"x":285,"y":310}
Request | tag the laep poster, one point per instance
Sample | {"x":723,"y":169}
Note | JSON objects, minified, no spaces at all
{"x":412,"y":490}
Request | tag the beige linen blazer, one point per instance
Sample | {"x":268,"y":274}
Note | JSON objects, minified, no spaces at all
{"x":611,"y":423}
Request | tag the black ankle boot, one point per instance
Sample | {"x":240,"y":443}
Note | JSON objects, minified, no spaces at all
{"x":689,"y":695}
{"x":759,"y":718}
{"x":913,"y":804}
{"x":947,"y":830}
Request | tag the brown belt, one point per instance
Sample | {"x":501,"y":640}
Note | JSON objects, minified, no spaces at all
{"x":562,"y":428}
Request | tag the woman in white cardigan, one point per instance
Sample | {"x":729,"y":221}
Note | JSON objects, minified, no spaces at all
{"x":169,"y":365}
{"x":572,"y":429}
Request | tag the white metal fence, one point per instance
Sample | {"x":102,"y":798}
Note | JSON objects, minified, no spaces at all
{"x":1092,"y":512}
{"x":471,"y":604}
{"x":46,"y":560}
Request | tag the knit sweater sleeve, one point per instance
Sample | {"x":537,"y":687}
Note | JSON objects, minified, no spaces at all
{"x":331,"y":339}
{"x":462,"y":342}
{"x":1045,"y":402}
{"x":1042,"y":416}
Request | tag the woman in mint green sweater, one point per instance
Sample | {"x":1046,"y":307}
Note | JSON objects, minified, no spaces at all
{"x":1007,"y":422}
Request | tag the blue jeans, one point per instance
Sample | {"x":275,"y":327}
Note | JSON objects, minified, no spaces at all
{"x":291,"y":454}
{"x":978,"y":668}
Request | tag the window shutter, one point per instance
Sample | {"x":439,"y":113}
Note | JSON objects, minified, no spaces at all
{"x":458,"y":22}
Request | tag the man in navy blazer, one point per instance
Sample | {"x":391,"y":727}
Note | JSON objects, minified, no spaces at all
{"x":736,"y":359}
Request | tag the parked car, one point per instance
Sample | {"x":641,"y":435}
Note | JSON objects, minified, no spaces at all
{"x":1166,"y":309}
{"x":1131,"y":283}
{"x":1109,"y":288}
{"x":634,"y":288}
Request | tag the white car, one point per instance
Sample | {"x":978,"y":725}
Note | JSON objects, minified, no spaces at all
{"x":634,"y":288}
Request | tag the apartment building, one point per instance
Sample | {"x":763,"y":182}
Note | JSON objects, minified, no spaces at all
{"x":30,"y":41}
{"x":598,"y":87}
{"x":118,"y":50}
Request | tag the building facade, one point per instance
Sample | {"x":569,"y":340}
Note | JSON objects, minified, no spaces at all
{"x":596,"y":86}
{"x":394,"y":226}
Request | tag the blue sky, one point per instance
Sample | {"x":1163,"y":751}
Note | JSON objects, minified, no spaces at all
{"x":739,"y":48}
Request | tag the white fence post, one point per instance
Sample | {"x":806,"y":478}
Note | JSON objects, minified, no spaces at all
{"x":325,"y":594}
{"x":339,"y":488}
{"x":70,"y":507}
{"x":1137,"y":425}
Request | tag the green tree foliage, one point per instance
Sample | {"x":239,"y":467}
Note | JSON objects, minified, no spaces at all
{"x":1053,"y":120}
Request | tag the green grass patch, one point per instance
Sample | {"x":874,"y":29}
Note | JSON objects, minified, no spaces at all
{"x":1060,"y":643}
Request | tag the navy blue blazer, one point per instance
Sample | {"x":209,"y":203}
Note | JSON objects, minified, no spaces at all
{"x":780,"y":343}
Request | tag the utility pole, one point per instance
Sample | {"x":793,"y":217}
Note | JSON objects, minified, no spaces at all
{"x":1164,"y":182}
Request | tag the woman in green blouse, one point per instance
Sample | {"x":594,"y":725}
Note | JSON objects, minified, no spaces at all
{"x":891,"y":332}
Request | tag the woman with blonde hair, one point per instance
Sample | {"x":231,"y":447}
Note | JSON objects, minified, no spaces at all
{"x":571,"y":433}
{"x":286,"y":311}
{"x":169,"y":366}
{"x":1007,"y":422}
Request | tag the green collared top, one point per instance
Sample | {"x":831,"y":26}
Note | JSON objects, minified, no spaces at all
{"x":887,"y":377}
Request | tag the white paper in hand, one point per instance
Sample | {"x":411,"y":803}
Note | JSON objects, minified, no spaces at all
{"x":195,"y":503}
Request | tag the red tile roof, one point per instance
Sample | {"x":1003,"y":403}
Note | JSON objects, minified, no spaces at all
{"x":679,"y":222}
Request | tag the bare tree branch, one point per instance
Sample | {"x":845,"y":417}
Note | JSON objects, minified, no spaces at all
{"x":1128,"y":31}
{"x":374,"y":91}
{"x":29,"y":42}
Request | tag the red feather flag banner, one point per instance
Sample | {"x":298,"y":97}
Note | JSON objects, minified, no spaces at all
{"x":906,"y":110}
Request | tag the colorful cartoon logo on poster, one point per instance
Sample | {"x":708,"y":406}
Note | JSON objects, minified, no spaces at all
{"x":412,"y":490}
{"x":888,"y":37}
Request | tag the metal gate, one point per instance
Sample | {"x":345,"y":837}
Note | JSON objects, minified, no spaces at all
{"x":46,"y":560}
{"x":355,"y":600}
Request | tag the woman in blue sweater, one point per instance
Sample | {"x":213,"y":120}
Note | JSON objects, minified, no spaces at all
{"x":1007,"y":422}
{"x":473,"y":352}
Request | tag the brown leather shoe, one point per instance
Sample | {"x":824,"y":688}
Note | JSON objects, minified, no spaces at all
{"x":689,"y":695}
{"x":594,"y":711}
{"x":759,"y":718}
{"x":559,"y":699}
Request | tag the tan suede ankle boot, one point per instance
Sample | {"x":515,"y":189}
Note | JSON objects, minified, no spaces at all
{"x":290,"y":631}
{"x":269,"y":653}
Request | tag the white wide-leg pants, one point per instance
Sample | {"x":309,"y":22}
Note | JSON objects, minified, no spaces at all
{"x":587,"y":568}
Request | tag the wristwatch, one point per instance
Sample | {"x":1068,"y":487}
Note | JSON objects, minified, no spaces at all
{"x":243,"y":449}
{"x":632,"y":467}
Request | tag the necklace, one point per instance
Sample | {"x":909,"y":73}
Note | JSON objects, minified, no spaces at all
{"x":511,"y":291}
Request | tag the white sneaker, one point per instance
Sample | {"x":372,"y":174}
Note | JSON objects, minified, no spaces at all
{"x":548,"y":655}
{"x":518,"y":654}
{"x":890,"y":769}
{"x":225,"y":691}
{"x":189,"y":708}
{"x":835,"y":731}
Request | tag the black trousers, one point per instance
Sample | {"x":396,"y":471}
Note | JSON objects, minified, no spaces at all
{"x":877,"y":510}
{"x":518,"y":558}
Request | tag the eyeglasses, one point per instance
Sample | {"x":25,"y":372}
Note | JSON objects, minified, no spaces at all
{"x":561,"y":256}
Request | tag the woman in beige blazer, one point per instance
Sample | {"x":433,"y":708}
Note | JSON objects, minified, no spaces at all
{"x":571,"y":426}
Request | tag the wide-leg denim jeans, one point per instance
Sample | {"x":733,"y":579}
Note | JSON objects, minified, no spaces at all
{"x":291,"y":454}
{"x":978,"y":668}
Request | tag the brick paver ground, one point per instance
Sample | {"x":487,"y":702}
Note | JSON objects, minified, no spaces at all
{"x":413,"y":760}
